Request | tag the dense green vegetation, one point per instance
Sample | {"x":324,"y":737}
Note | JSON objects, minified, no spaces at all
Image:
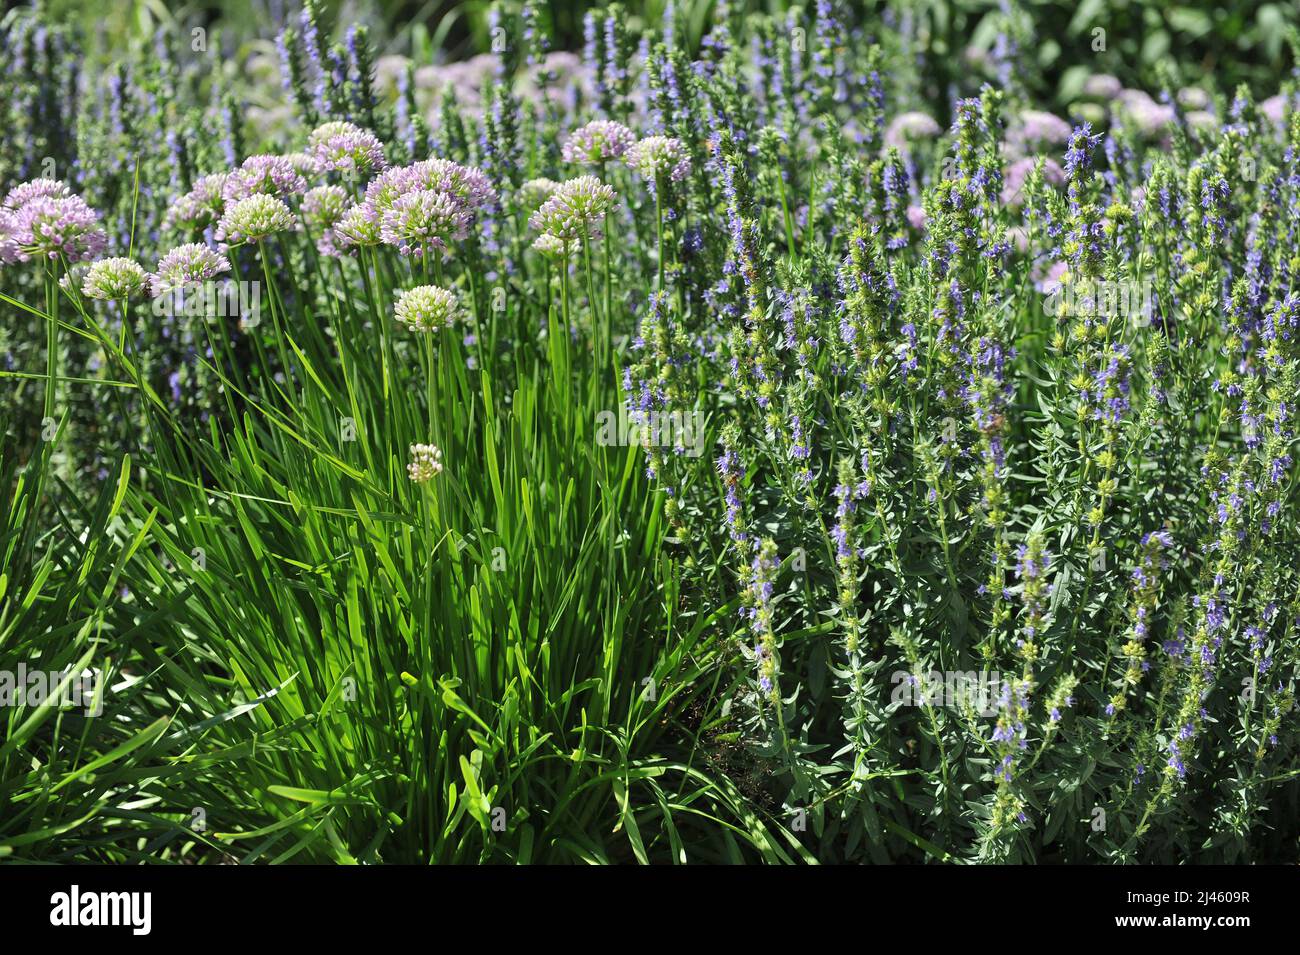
{"x":687,"y":433}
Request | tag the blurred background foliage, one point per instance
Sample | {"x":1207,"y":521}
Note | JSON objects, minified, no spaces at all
{"x":1219,"y":45}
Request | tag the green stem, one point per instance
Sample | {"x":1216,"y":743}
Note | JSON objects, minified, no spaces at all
{"x":431,"y":387}
{"x":276,"y":309}
{"x":51,"y":349}
{"x":597,"y":324}
{"x":659,"y":226}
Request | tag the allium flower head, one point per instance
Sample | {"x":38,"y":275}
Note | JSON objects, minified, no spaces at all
{"x":343,"y":147}
{"x":468,"y":187}
{"x":1013,"y":180}
{"x":549,"y":246}
{"x":264,"y":175}
{"x":70,"y":281}
{"x":536,"y":191}
{"x":1274,"y":109}
{"x":253,"y":219}
{"x":201,"y":206}
{"x":908,"y":127}
{"x":1053,"y":279}
{"x":1151,"y":118}
{"x":574,"y":208}
{"x":304,"y":164}
{"x":25,"y":192}
{"x":426,"y":463}
{"x":8,"y":245}
{"x":657,"y":156}
{"x":1102,"y":86}
{"x":427,"y":308}
{"x":1193,"y":97}
{"x":47,"y":227}
{"x":422,"y":220}
{"x":114,"y":279}
{"x":187,"y":264}
{"x":1035,"y":129}
{"x":597,"y":142}
{"x":386,"y":187}
{"x":327,"y":131}
{"x":358,"y":226}
{"x":323,"y":206}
